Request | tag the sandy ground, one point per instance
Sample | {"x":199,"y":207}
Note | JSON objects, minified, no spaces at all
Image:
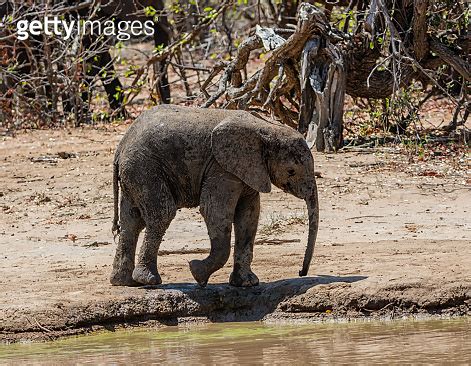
{"x":394,"y":239}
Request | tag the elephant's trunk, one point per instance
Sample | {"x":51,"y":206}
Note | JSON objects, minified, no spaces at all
{"x":313,"y":212}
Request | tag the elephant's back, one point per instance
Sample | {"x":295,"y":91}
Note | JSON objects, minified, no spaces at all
{"x":169,"y":128}
{"x":179,"y":119}
{"x":173,"y":142}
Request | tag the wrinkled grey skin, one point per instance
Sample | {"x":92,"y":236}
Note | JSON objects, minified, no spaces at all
{"x":174,"y":157}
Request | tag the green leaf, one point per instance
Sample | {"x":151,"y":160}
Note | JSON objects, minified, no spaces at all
{"x":150,"y":11}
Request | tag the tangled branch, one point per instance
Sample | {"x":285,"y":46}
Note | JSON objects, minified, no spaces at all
{"x":305,"y":77}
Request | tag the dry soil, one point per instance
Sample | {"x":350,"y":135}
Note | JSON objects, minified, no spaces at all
{"x":394,"y":240}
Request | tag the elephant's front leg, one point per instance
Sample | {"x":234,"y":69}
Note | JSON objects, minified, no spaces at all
{"x":219,"y":198}
{"x":245,"y":227}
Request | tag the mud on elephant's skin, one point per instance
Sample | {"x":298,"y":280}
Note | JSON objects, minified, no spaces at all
{"x":173,"y":157}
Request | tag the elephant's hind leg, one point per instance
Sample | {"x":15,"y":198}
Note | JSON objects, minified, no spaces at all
{"x":131,"y":224}
{"x":159,"y":211}
{"x":245,"y":227}
{"x":218,"y":200}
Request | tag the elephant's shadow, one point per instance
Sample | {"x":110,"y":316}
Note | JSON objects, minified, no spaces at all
{"x":222,"y":302}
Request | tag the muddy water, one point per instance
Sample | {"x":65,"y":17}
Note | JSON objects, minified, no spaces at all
{"x":256,"y":343}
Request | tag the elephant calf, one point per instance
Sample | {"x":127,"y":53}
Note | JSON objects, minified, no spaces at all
{"x":173,"y":157}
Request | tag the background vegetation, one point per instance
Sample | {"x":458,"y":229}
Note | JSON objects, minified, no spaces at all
{"x":345,"y":72}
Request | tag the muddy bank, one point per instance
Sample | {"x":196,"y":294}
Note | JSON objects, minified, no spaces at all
{"x":313,"y":299}
{"x":394,"y":240}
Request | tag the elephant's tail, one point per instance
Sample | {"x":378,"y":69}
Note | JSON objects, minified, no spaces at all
{"x":115,"y":229}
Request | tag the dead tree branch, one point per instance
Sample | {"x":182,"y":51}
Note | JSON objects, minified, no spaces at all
{"x":305,"y":77}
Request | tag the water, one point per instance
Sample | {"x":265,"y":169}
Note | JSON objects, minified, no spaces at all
{"x":433,"y":341}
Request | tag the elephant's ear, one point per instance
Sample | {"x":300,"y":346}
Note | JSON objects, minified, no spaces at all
{"x":237,"y":144}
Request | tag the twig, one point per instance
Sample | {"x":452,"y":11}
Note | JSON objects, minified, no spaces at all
{"x":43,"y":328}
{"x":276,"y":241}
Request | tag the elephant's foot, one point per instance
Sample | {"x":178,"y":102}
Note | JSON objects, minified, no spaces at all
{"x":122,"y":272}
{"x":243,"y":279}
{"x":122,"y":278}
{"x":145,"y":276}
{"x":199,"y":271}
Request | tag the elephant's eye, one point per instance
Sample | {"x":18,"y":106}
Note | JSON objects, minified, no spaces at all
{"x":291,"y":172}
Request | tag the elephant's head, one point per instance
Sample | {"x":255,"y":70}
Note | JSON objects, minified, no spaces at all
{"x":260,"y":153}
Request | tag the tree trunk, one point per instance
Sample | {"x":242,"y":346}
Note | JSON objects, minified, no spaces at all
{"x":323,"y":84}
